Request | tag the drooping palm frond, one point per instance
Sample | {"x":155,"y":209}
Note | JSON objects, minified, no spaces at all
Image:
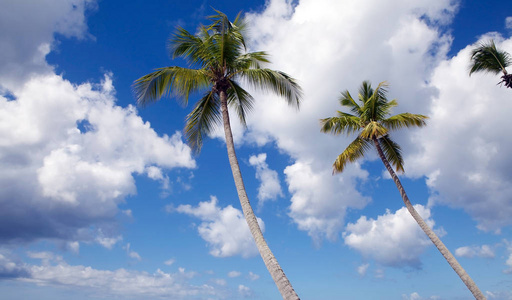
{"x":353,"y":152}
{"x":487,"y":58}
{"x":202,"y":120}
{"x":241,"y":100}
{"x":404,"y":120}
{"x":393,"y":152}
{"x":343,"y":123}
{"x":180,"y":81}
{"x":278,"y":82}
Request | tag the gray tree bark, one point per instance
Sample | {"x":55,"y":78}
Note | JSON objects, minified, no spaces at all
{"x":277,"y":273}
{"x":428,"y":231}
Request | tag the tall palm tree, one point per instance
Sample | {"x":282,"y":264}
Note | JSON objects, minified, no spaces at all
{"x":486,"y":58}
{"x":218,"y":63}
{"x":371,"y":119}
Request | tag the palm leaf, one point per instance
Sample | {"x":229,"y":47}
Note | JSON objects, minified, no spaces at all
{"x":181,"y":81}
{"x":404,"y":120}
{"x":241,"y":100}
{"x":486,"y":58}
{"x":202,"y":120}
{"x":393,"y":152}
{"x":347,"y":100}
{"x":352,"y":153}
{"x":344,"y":123}
{"x":276,"y":81}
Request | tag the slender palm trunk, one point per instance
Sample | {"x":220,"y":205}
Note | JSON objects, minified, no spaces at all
{"x":428,"y":231}
{"x":282,"y":282}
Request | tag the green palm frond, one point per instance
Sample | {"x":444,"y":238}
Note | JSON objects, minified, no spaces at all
{"x":241,"y":100}
{"x":352,"y":153}
{"x":405,"y":120}
{"x":347,"y":100}
{"x":373,"y":129}
{"x":276,"y":81}
{"x":365,"y":92}
{"x":344,"y":123}
{"x":393,"y":152}
{"x":376,"y":106}
{"x":251,"y":60}
{"x":202,"y":120}
{"x":486,"y":58}
{"x":196,"y":49}
{"x":181,"y":81}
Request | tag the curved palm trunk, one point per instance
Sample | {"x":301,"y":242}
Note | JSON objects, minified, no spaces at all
{"x":428,"y":231}
{"x":282,"y":282}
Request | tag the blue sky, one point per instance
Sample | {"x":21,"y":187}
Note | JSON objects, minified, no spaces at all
{"x":101,"y":199}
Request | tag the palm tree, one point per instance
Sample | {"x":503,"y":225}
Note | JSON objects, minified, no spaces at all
{"x":218,"y":63}
{"x":371,"y":119}
{"x":486,"y":58}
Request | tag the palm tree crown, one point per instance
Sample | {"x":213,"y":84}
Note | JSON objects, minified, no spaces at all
{"x":370,"y":118}
{"x":218,"y":53}
{"x":487,"y":58}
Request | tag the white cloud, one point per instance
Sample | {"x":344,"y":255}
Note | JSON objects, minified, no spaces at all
{"x":244,"y":291}
{"x":63,"y":146}
{"x":508,"y":262}
{"x":233,"y":274}
{"x":270,"y":187}
{"x":24,"y":45}
{"x":348,"y":49}
{"x":131,"y":253}
{"x":107,"y":242}
{"x":156,"y":173}
{"x":74,"y":246}
{"x":118,"y":283}
{"x":221,"y":282}
{"x":361,"y":270}
{"x":224,"y":229}
{"x":393,"y":239}
{"x":320,"y":200}
{"x":253,"y":276}
{"x":73,"y":178}
{"x":169,"y":262}
{"x":508,"y":22}
{"x":485,"y":251}
{"x":462,"y":150}
{"x":416,"y":296}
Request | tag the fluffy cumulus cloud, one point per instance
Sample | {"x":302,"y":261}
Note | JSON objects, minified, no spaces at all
{"x":68,"y":151}
{"x":270,"y":187}
{"x":224,"y":229}
{"x":463,"y":151}
{"x":24,"y":45}
{"x":53,"y":271}
{"x":485,"y":251}
{"x":393,"y":239}
{"x":60,"y":175}
{"x":319,"y":200}
{"x":347,"y":49}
